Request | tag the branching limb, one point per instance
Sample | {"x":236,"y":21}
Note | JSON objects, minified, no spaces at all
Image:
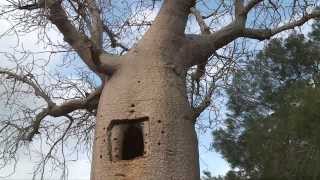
{"x":96,"y":24}
{"x":205,"y":102}
{"x":250,"y":5}
{"x":204,"y":28}
{"x":41,"y":168}
{"x":212,"y":86}
{"x":204,"y":45}
{"x":113,"y":38}
{"x":239,"y":8}
{"x":201,"y":68}
{"x":31,"y":81}
{"x":89,"y":103}
{"x":89,"y":49}
{"x":262,"y":34}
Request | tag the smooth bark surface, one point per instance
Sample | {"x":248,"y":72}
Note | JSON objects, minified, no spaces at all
{"x":147,"y":86}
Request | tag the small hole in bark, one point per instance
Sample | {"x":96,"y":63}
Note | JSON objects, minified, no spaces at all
{"x":115,"y":139}
{"x":159,"y":121}
{"x":131,"y":111}
{"x":100,"y":156}
{"x":132,"y":105}
{"x":162,"y":132}
{"x":139,"y":81}
{"x":119,"y":174}
{"x":159,"y":143}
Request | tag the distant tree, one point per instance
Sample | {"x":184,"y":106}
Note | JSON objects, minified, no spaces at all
{"x":231,"y":175}
{"x":273,"y":126}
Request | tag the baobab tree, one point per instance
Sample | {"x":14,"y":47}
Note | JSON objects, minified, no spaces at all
{"x":151,"y":93}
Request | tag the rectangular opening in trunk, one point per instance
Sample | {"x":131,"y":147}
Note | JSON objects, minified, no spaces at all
{"x":128,"y":138}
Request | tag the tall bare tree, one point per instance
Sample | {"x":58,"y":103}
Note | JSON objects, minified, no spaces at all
{"x":157,"y":77}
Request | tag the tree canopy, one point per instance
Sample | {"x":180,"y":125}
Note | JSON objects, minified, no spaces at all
{"x":273,"y":125}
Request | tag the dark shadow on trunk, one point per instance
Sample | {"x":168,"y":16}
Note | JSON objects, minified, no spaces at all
{"x":133,"y":145}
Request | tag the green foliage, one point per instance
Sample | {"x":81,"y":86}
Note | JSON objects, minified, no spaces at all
{"x":273,"y":128}
{"x":231,"y":175}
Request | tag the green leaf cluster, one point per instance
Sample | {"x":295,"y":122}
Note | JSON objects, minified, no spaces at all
{"x":272,"y":130}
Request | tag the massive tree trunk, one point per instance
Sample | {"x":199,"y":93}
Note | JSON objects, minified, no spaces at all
{"x":146,"y":93}
{"x":145,"y":127}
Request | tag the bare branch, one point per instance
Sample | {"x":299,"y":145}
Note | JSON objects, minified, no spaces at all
{"x":113,"y":39}
{"x":35,"y":126}
{"x":96,"y":25}
{"x":205,"y":102}
{"x":250,"y":5}
{"x":203,"y":26}
{"x":239,"y":8}
{"x":29,"y":80}
{"x":214,"y":13}
{"x":49,"y":154}
{"x":262,"y":34}
{"x":204,"y":45}
{"x":207,"y":95}
{"x":88,"y":49}
{"x":201,"y":68}
{"x":89,"y":103}
{"x":81,"y":43}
